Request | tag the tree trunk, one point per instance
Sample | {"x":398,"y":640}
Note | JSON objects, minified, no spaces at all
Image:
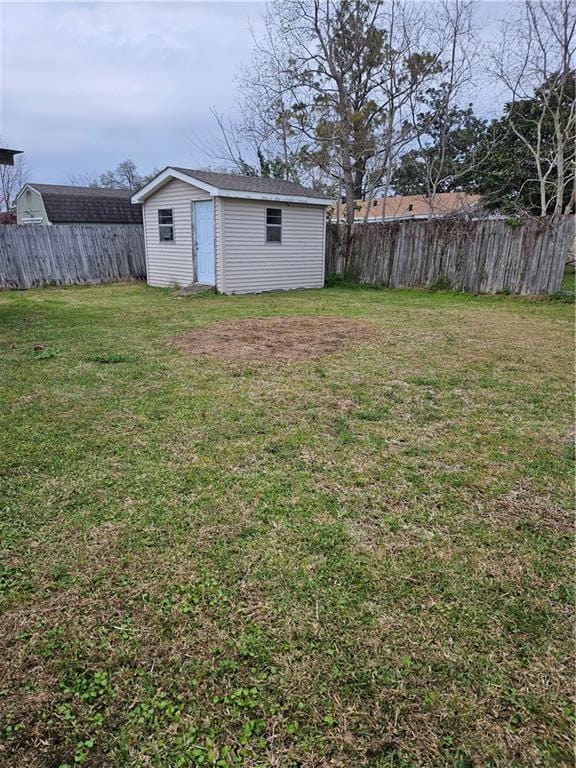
{"x":359,"y":173}
{"x":349,"y":189}
{"x":560,"y":178}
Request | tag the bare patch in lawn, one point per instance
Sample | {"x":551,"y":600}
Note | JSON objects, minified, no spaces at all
{"x":274,"y":338}
{"x":524,"y":506}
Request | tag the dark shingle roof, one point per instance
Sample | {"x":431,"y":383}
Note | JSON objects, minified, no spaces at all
{"x":236,"y":182}
{"x":88,"y":205}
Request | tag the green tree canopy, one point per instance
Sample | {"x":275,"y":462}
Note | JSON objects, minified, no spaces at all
{"x":508,"y":177}
{"x":449,"y":147}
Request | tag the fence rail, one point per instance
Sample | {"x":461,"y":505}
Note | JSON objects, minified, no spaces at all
{"x":480,"y":256}
{"x":64,"y":254}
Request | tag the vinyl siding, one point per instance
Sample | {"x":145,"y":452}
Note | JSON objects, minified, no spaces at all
{"x":171,"y":263}
{"x":252,"y":265}
{"x":218,"y":242}
{"x":30,"y":208}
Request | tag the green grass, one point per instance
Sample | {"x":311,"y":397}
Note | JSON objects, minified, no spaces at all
{"x":568,"y":282}
{"x":359,"y":560}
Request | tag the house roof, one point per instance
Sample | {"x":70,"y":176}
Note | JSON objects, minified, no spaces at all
{"x":235,"y":185}
{"x":87,"y":205}
{"x":415,"y":206}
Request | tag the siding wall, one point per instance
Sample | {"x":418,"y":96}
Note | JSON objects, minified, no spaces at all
{"x":30,"y":207}
{"x":218,"y":242}
{"x":251,"y":264}
{"x":171,"y":263}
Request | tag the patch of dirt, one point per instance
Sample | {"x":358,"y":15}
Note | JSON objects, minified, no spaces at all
{"x":274,"y":338}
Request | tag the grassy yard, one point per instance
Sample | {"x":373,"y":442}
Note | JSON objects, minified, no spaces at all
{"x":568,"y":281}
{"x":356,"y":560}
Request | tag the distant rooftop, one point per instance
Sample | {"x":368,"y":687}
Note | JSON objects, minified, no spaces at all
{"x":69,"y":189}
{"x":88,"y":205}
{"x":413,"y":206}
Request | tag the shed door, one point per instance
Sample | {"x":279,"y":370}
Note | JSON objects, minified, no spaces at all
{"x":203,"y":212}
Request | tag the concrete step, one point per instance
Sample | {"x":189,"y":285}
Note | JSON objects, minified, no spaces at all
{"x":195,"y":288}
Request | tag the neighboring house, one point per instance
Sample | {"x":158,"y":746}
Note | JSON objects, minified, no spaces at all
{"x":7,"y":155}
{"x":242,"y":234}
{"x":411,"y":207}
{"x":58,"y":204}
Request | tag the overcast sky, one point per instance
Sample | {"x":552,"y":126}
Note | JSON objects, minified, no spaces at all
{"x":86,"y":85}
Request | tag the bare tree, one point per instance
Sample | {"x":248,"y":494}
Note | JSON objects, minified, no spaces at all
{"x":12,"y":179}
{"x":331,"y":85}
{"x":243,"y":146}
{"x":124,"y":176}
{"x":363,"y":63}
{"x":260,"y":137}
{"x":434,"y":116}
{"x":406,"y":26}
{"x":83,"y":179}
{"x":535,"y":64}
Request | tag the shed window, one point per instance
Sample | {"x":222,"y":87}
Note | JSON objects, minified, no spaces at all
{"x":273,"y":225}
{"x":165,"y":224}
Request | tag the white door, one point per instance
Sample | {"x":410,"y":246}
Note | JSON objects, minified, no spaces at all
{"x":204,"y":241}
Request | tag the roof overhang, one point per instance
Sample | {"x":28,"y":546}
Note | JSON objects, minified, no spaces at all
{"x":7,"y":155}
{"x":25,"y":187}
{"x":171,"y":173}
{"x":399,"y":217}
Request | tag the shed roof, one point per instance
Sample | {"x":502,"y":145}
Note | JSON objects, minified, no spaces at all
{"x":240,"y":183}
{"x":87,"y":205}
{"x":234,"y":185}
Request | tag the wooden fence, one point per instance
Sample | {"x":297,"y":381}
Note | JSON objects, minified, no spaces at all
{"x":480,"y":256}
{"x":63,"y":254}
{"x":483,"y":256}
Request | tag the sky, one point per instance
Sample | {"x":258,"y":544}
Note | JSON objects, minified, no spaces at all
{"x":84,"y":86}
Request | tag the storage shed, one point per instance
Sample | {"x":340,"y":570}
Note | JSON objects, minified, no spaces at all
{"x":241,"y":234}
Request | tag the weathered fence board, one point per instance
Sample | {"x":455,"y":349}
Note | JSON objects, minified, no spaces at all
{"x":64,"y":254}
{"x":482,"y":256}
